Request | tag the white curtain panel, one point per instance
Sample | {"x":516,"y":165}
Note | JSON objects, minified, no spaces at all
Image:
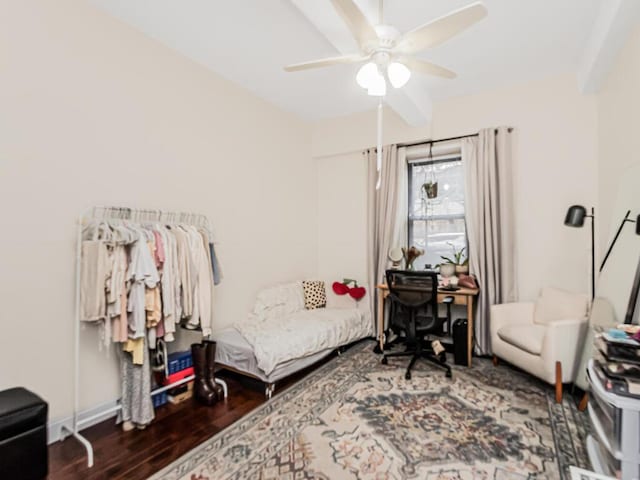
{"x":386,"y":214}
{"x":489,"y":210}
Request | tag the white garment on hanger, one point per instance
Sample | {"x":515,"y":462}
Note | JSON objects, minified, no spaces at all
{"x":167,"y":282}
{"x":94,"y":271}
{"x":142,"y":273}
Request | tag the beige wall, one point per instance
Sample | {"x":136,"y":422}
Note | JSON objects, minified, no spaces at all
{"x":618,"y":124}
{"x":354,"y":133}
{"x":93,"y":112}
{"x":555,"y":149}
{"x":342,"y":220}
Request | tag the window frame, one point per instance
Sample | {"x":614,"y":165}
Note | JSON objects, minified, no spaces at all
{"x":457,"y":157}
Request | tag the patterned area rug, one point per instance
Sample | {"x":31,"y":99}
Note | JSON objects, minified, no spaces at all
{"x":354,"y":418}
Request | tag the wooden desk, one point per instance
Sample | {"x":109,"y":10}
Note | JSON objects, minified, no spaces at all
{"x":464,"y":296}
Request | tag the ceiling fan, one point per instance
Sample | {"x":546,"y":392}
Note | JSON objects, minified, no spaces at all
{"x":390,"y":54}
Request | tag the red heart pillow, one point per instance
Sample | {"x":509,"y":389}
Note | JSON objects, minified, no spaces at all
{"x":357,"y":292}
{"x":340,"y":288}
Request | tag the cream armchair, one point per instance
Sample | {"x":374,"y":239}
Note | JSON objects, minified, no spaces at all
{"x":543,"y":338}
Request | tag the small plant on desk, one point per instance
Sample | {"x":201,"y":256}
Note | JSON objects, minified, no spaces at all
{"x":459,"y":259}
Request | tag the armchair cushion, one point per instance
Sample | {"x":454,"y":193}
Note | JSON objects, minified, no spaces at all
{"x":555,"y":304}
{"x":509,"y":314}
{"x":529,"y":338}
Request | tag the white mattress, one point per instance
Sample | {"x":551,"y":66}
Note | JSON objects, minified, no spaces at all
{"x":277,"y":339}
{"x":235,"y":352}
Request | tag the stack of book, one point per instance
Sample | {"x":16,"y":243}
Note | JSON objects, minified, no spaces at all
{"x":617,"y":363}
{"x":179,"y":365}
{"x":181,"y":393}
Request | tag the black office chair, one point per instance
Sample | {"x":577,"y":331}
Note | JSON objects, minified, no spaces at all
{"x":414,"y":309}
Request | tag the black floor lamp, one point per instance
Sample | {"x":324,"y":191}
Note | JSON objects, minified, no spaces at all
{"x":615,"y":239}
{"x":575,"y":218}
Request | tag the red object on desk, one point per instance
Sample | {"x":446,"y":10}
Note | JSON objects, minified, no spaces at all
{"x":467,"y":281}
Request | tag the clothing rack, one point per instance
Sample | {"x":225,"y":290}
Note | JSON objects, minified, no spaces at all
{"x":130,"y":215}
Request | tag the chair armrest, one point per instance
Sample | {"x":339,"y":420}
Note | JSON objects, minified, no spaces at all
{"x":563,"y":342}
{"x":520,"y":313}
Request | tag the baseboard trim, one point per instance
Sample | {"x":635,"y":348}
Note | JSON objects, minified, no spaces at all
{"x":97,"y":414}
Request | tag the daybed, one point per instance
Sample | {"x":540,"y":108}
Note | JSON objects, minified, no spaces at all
{"x":281,"y":336}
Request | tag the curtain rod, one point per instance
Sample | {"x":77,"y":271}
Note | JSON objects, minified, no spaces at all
{"x":426,"y":142}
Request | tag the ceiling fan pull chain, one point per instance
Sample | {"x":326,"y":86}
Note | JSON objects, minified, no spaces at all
{"x":379,"y":146}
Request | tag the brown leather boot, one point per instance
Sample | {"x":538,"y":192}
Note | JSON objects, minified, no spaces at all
{"x":211,"y":368}
{"x":201,"y":389}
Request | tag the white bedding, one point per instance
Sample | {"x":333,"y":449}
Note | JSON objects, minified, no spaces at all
{"x":277,"y":339}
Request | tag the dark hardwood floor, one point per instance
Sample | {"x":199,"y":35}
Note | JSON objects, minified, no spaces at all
{"x":176,"y":430}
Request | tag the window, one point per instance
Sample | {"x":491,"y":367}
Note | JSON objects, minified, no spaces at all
{"x":435,"y":224}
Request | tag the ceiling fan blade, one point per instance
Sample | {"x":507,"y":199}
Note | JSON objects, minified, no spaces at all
{"x":427,"y":68}
{"x":441,"y":29}
{"x":324,"y":62}
{"x":360,"y":28}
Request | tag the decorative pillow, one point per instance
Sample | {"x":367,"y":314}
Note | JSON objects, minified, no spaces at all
{"x":340,"y":288}
{"x":342,"y":295}
{"x":314,"y":294}
{"x":336,"y":299}
{"x":556,"y":304}
{"x":357,"y":292}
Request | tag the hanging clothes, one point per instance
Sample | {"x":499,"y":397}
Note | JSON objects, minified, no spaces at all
{"x":185,"y":271}
{"x":158,"y":251}
{"x":167,"y":281}
{"x":152,"y":302}
{"x":137,"y":282}
{"x":205,"y":281}
{"x":215,"y":265}
{"x":142,"y":274}
{"x":136,"y":403}
{"x":95,"y":272}
{"x":117,"y":294}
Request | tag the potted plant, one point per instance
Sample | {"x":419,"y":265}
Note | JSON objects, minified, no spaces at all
{"x":430,"y":189}
{"x":459,"y":260}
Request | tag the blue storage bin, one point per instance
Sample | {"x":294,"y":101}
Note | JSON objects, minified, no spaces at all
{"x":178,"y":361}
{"x":159,"y":399}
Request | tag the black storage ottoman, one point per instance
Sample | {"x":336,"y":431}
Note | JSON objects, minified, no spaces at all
{"x":23,"y":435}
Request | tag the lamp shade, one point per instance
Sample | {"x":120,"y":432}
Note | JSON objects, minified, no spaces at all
{"x":575,"y":216}
{"x":367,"y":74}
{"x":398,"y":74}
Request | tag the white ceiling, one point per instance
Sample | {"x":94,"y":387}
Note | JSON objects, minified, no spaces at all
{"x":249,"y":41}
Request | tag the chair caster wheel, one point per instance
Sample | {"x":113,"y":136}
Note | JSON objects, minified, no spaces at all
{"x":384,"y":361}
{"x":448,"y":374}
{"x":407,"y":376}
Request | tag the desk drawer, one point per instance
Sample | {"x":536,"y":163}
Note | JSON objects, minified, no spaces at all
{"x":457,"y":299}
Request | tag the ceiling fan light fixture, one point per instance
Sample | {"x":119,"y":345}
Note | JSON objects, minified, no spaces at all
{"x":378,"y":88}
{"x":398,"y":74}
{"x":367,"y":74}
